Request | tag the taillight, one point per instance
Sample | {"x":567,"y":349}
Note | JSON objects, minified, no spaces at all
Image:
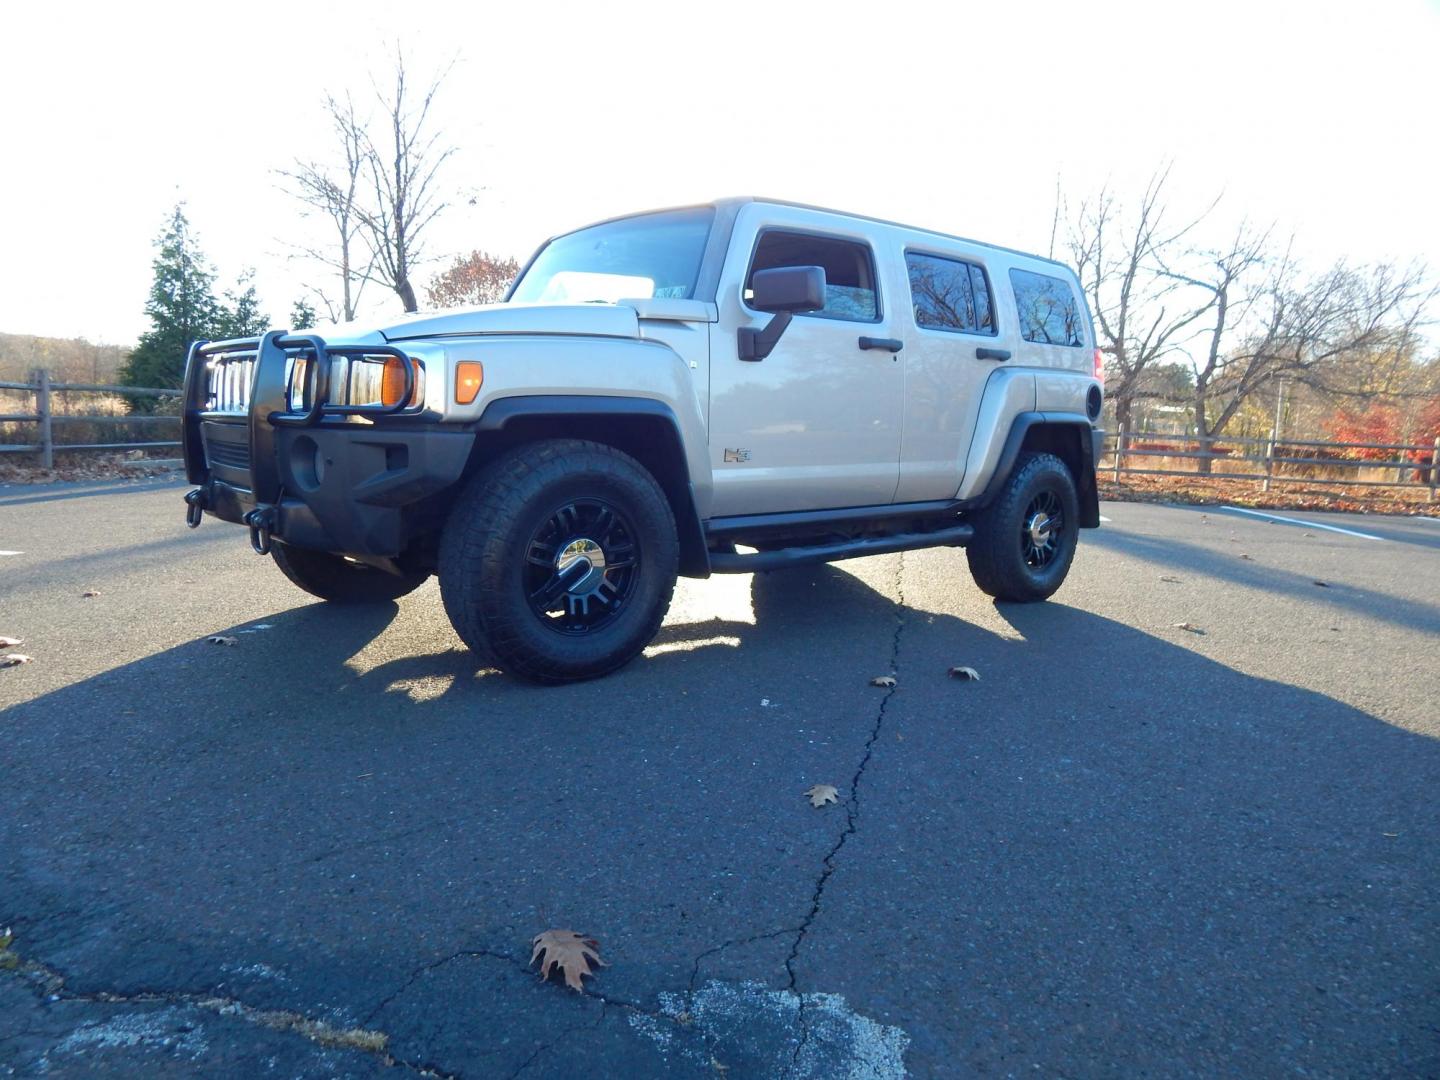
{"x":1100,"y":367}
{"x":392,"y":382}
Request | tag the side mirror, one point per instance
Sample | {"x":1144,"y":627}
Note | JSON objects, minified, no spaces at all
{"x":788,"y":288}
{"x":781,"y":291}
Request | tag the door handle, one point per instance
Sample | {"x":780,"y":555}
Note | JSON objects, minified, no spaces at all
{"x":889,"y":344}
{"x":983,"y":353}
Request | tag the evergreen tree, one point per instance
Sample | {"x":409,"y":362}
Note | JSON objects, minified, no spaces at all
{"x":182,"y":308}
{"x":302,"y":315}
{"x":242,"y":316}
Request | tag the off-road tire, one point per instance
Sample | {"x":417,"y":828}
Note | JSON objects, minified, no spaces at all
{"x":997,"y":554}
{"x":337,"y":579}
{"x":490,"y":533}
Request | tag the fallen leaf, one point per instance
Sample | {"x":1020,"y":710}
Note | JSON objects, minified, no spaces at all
{"x":1247,"y":558}
{"x":1171,"y":580}
{"x":573,"y":954}
{"x":1322,"y":584}
{"x":964,"y":674}
{"x":10,"y":642}
{"x":89,"y":594}
{"x":1191,"y":627}
{"x":821,"y":794}
{"x":14,"y":659}
{"x":883,"y":680}
{"x":220,"y":639}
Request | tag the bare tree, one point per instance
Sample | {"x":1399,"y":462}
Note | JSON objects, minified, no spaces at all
{"x":402,"y":167}
{"x":334,"y":192}
{"x":1270,"y":321}
{"x":1142,"y":315}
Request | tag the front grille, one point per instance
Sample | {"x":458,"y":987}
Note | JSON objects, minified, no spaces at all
{"x":230,"y":375}
{"x":233,"y":455}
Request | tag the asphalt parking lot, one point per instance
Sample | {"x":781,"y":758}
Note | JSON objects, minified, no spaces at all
{"x":1129,"y":849}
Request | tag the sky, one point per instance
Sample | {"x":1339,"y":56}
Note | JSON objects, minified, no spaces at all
{"x":1319,"y":118}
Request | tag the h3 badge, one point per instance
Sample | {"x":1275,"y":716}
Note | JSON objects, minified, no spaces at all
{"x":736,"y":455}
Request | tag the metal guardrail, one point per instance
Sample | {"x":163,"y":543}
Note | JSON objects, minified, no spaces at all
{"x":1417,"y":467}
{"x":44,"y":388}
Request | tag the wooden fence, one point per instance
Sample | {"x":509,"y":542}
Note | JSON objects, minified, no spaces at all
{"x":46,"y":417}
{"x":1273,"y":460}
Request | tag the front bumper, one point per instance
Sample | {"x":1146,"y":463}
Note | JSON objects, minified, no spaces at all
{"x":350,"y":489}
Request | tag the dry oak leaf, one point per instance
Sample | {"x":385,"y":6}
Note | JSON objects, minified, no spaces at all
{"x":574,"y":954}
{"x":10,"y":642}
{"x":1171,"y":580}
{"x":1189,"y":626}
{"x":14,"y":659}
{"x":220,"y":639}
{"x":821,"y":794}
{"x":883,"y":680}
{"x":89,"y":594}
{"x":964,"y":674}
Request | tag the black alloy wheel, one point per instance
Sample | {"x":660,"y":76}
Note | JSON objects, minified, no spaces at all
{"x":581,"y":566}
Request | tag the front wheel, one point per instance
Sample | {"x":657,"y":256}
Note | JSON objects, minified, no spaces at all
{"x":340,"y":580}
{"x":1025,"y":540}
{"x":559,"y":562}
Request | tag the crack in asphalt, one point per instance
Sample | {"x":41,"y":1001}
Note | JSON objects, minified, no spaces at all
{"x":48,"y":984}
{"x":852,"y":811}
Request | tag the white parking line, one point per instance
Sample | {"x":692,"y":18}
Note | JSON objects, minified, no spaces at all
{"x":1305,"y":524}
{"x":1418,"y":517}
{"x":1104,"y":519}
{"x":12,"y":553}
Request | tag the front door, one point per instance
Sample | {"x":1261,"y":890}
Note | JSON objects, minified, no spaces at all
{"x":816,"y":424}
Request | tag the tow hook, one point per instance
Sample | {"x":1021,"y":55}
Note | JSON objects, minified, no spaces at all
{"x":194,"y":507}
{"x":261,"y":521}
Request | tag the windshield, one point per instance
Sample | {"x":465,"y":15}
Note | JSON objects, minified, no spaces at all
{"x":651,"y":255}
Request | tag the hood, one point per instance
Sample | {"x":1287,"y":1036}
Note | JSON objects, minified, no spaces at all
{"x":598,"y":320}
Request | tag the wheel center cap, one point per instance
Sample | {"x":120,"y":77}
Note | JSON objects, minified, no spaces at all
{"x":586,"y":551}
{"x":1039,"y":529}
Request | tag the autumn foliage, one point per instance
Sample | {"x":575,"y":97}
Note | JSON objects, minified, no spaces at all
{"x":1387,"y":424}
{"x":477,"y":278}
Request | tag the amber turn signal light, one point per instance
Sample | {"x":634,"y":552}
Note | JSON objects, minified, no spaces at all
{"x":392,"y":382}
{"x":469,"y":375}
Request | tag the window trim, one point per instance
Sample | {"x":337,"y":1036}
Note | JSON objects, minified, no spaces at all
{"x":1081,"y":309}
{"x":817,"y":234}
{"x":950,"y":257}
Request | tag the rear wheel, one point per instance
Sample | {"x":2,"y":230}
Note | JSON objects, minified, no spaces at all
{"x":1025,"y":540}
{"x":340,"y":580}
{"x":559,"y":562}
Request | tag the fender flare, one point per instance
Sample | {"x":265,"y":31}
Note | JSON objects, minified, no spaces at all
{"x":1088,"y":438}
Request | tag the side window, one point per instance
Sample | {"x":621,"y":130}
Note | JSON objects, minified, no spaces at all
{"x":849,"y":271}
{"x":949,"y":294}
{"x":1049,"y":313}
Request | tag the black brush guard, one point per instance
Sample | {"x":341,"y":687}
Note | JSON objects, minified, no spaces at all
{"x":275,"y":356}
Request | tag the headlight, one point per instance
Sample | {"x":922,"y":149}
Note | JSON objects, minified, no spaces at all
{"x":359,"y":381}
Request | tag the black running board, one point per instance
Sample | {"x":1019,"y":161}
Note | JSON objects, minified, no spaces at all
{"x":732,"y":562}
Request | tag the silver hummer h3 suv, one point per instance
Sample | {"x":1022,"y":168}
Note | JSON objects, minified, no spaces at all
{"x":656,"y":393}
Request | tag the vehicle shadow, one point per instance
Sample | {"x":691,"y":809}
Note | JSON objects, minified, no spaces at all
{"x":1198,"y":870}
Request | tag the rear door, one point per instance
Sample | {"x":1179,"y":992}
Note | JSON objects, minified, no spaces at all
{"x":954,"y":342}
{"x":816,"y":424}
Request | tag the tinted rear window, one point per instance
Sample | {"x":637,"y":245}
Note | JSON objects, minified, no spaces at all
{"x":949,"y":294}
{"x":1049,"y":313}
